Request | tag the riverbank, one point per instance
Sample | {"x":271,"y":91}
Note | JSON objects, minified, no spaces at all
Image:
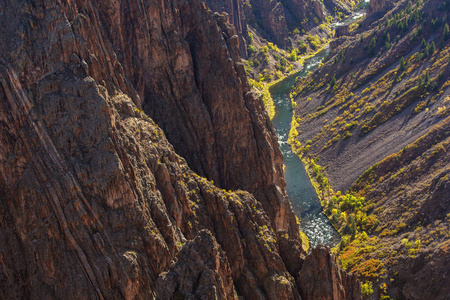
{"x":263,"y":88}
{"x":315,"y":173}
{"x":304,"y":199}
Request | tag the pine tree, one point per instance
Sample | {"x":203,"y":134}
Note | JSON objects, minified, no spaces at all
{"x":427,"y":50}
{"x":427,"y":77}
{"x":402,"y":64}
{"x":423,"y":44}
{"x":446,"y":31}
{"x":372,"y":45}
{"x":333,"y":81}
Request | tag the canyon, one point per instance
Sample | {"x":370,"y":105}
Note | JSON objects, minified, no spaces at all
{"x":136,"y":162}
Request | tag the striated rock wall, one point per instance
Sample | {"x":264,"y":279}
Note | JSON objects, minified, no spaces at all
{"x":236,"y":16}
{"x":95,"y":201}
{"x":191,"y":82}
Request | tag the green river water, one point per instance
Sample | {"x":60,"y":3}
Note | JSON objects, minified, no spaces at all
{"x":302,"y":194}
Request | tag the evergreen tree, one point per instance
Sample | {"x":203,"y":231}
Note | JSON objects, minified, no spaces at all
{"x":427,"y":77}
{"x":402,"y":64}
{"x":427,"y":50}
{"x":372,"y":45}
{"x":333,"y":81}
{"x":409,"y":8}
{"x":423,"y":44}
{"x":446,"y":31}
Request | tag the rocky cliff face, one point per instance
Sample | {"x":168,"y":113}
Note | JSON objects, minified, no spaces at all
{"x":269,"y":17}
{"x":99,"y":200}
{"x":317,"y":276}
{"x":273,"y":19}
{"x":379,"y":6}
{"x":236,"y":16}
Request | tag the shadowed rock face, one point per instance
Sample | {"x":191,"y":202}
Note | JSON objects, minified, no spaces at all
{"x":321,"y":278}
{"x":94,"y":199}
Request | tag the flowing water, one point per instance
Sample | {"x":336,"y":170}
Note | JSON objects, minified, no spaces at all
{"x":303,"y":196}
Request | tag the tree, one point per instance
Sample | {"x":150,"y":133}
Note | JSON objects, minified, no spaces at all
{"x":402,"y":64}
{"x":387,"y":45}
{"x":427,"y":50}
{"x":446,"y":32}
{"x":372,"y":45}
{"x":423,"y":44}
{"x":333,"y":81}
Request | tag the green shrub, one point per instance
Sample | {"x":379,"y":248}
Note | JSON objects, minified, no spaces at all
{"x":366,"y":289}
{"x":347,"y":135}
{"x":251,"y":50}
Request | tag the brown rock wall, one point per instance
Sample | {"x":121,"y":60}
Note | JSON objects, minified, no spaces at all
{"x":321,"y":278}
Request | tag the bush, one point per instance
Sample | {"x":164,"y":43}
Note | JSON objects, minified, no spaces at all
{"x":293,"y":55}
{"x":251,"y":50}
{"x":347,"y":135}
{"x":366,"y":289}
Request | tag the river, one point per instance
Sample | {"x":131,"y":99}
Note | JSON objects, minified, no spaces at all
{"x":302,"y":194}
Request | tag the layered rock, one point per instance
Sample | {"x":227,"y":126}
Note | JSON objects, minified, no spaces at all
{"x":94,"y":199}
{"x":236,"y":16}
